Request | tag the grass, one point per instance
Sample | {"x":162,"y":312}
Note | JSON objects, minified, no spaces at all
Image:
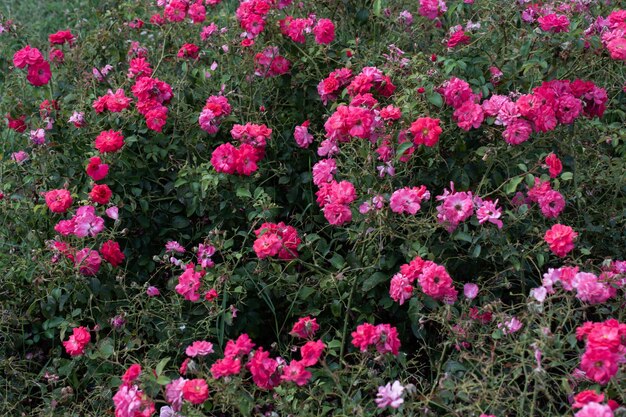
{"x":39,"y":18}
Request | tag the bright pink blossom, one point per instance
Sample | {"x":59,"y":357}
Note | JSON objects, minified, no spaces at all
{"x":88,"y":261}
{"x":77,"y":342}
{"x":390,"y":395}
{"x":199,"y":348}
{"x":305,"y":328}
{"x":296,"y":372}
{"x":426,"y":131}
{"x":554,"y":23}
{"x":560,"y":238}
{"x":96,"y":169}
{"x":324,"y":31}
{"x":408,"y":200}
{"x":554,"y":164}
{"x":58,"y":201}
{"x":196,"y":391}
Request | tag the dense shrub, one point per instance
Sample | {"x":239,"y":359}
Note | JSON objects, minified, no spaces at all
{"x":319,"y":208}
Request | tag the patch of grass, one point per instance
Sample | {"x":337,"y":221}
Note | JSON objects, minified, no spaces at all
{"x":40,"y":18}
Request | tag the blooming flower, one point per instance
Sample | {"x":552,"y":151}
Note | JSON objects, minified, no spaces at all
{"x":594,"y":409}
{"x":152,"y":291}
{"x":88,"y":261}
{"x":539,"y":294}
{"x":554,"y":23}
{"x":324,"y":31}
{"x":20,"y":157}
{"x":390,"y":395}
{"x":276,"y":239}
{"x":39,"y":73}
{"x":455,"y":208}
{"x":77,"y":342}
{"x":188,"y":50}
{"x":599,"y":365}
{"x":174,"y":246}
{"x":489,"y":212}
{"x":204,"y":254}
{"x":269,"y":63}
{"x":196,"y":391}
{"x":199,"y":348}
{"x":560,"y":238}
{"x":130,"y":401}
{"x":551,"y":203}
{"x":264,"y":369}
{"x":408,"y":200}
{"x":112,"y":212}
{"x":383,"y":336}
{"x":510,"y":326}
{"x":296,"y":372}
{"x":174,"y":392}
{"x":132,"y":373}
{"x":111,"y":253}
{"x":305,"y":328}
{"x":302,"y":136}
{"x":58,"y":201}
{"x":470,"y":291}
{"x":242,"y":346}
{"x":311,"y":352}
{"x":225,"y":367}
{"x":401,"y":288}
{"x":189,"y":284}
{"x":96,"y":169}
{"x":100,"y":193}
{"x":590,"y":289}
{"x":85,"y":222}
{"x":554,"y":164}
{"x":61,"y":37}
{"x":109,"y":141}
{"x":426,"y":131}
{"x":585,"y":397}
{"x":38,"y":137}
{"x":113,"y":102}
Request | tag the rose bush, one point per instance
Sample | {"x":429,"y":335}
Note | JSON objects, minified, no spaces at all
{"x":270,"y":207}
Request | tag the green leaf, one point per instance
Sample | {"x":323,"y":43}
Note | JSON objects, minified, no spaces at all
{"x":163,"y":380}
{"x":435,"y":99}
{"x":415,"y":308}
{"x":180,"y":222}
{"x":463,"y":236}
{"x":403,"y":148}
{"x":362,"y":15}
{"x":337,"y":261}
{"x":377,"y":7}
{"x":540,"y":260}
{"x":374,"y":280}
{"x":511,"y":186}
{"x":243,"y":192}
{"x":161,"y":365}
{"x":66,"y":369}
{"x":566,"y":176}
{"x":334,"y":344}
{"x":312,"y":237}
{"x":306,"y":292}
{"x":453,"y":367}
{"x":106,"y":348}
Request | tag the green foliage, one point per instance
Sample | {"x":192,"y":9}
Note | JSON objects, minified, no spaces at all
{"x":167,"y":189}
